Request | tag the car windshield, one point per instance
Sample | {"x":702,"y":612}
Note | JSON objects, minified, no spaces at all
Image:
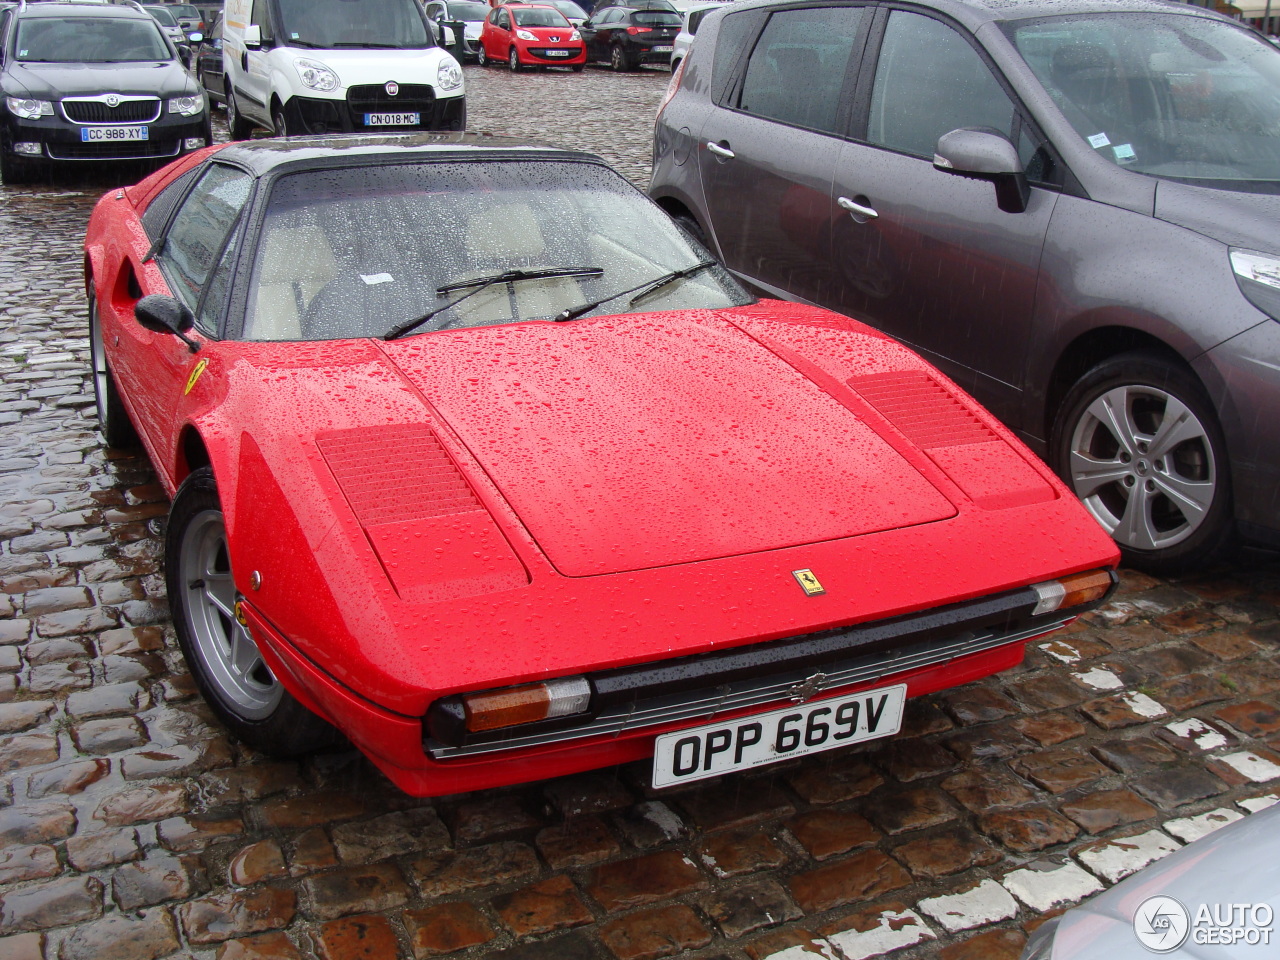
{"x":1183,"y":97}
{"x":539,"y":17}
{"x":468,"y":11}
{"x":570,"y":9}
{"x":353,"y":23}
{"x":89,"y":40}
{"x":357,"y":252}
{"x":185,"y":10}
{"x":656,"y":18}
{"x":162,"y":16}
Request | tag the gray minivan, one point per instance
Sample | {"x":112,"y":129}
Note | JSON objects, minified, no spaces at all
{"x":1070,"y":206}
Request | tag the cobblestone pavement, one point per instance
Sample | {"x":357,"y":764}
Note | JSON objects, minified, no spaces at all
{"x":131,"y":827}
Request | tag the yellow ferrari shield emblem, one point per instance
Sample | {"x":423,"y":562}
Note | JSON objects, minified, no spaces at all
{"x":195,"y":375}
{"x":808,"y":583}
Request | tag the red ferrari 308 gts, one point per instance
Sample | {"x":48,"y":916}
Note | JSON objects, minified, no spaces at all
{"x":521,"y":34}
{"x":477,"y":457}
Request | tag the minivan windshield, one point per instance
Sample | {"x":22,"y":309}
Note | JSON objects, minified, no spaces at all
{"x":466,"y":11}
{"x":1184,"y":97}
{"x":368,"y":24}
{"x":89,"y":40}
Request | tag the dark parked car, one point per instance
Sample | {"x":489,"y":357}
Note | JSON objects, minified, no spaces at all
{"x":92,"y":81}
{"x":625,"y":37}
{"x":604,"y":5}
{"x":209,"y":63}
{"x":1071,"y":207}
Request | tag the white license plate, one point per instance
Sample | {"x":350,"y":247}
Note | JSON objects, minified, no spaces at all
{"x":557,"y":53}
{"x":112,"y":134}
{"x":392,"y":119}
{"x":667,"y":48}
{"x":753,"y":741}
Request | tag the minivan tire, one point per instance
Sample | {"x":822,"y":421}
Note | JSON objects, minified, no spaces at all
{"x":1181,"y":494}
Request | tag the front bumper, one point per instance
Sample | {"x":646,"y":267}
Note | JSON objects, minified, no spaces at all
{"x":60,"y":140}
{"x":552,"y":55}
{"x":317,"y":115}
{"x":929,"y":651}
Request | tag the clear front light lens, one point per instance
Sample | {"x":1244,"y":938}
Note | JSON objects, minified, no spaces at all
{"x":525,"y":35}
{"x":449,"y":75}
{"x":1258,"y":277}
{"x":29,"y":149}
{"x":29,"y":109}
{"x":575,"y":36}
{"x":1256,"y":267}
{"x":187,"y":106}
{"x":316,"y":75}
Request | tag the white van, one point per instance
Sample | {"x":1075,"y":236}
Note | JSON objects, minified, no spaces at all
{"x":333,"y":66}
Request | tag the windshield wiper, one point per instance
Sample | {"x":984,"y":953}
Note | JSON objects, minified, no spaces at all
{"x":481,"y":283}
{"x":367,"y":46}
{"x":646,"y":288}
{"x":295,"y":42}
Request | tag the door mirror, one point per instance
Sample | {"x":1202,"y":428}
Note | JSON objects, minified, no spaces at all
{"x":253,"y":36}
{"x":161,"y":314}
{"x":985,"y":155}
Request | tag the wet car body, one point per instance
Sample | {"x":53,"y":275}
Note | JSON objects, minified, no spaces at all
{"x":687,"y":513}
{"x":522,"y":34}
{"x":1121,"y":258}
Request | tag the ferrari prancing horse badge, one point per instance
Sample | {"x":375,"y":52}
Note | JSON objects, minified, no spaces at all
{"x":808,"y":583}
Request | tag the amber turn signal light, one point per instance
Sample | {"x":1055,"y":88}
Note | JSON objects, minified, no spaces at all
{"x":495,"y":709}
{"x":1072,"y":591}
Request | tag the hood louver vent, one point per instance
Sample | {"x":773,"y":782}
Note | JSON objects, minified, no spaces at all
{"x":396,"y":474}
{"x":922,"y":409}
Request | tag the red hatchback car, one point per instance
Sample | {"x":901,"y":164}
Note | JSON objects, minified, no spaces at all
{"x":524,"y":34}
{"x":477,"y":457}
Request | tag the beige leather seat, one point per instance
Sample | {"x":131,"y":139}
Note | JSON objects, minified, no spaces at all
{"x":296,"y":263}
{"x":507,"y":237}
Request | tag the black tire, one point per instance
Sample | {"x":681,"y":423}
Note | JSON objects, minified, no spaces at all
{"x":577,"y":67}
{"x":618,"y":59}
{"x":482,"y":58}
{"x":240,"y":690}
{"x":692,"y":228}
{"x":113,"y":420}
{"x":279,"y":121}
{"x":1166,"y":499}
{"x":239,"y":127}
{"x":513,"y":60}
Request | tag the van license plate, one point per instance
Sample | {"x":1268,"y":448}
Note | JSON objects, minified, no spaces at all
{"x":111,"y":134}
{"x":392,"y":119}
{"x":795,"y":731}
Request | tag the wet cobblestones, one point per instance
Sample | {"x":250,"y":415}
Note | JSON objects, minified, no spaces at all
{"x":131,"y":826}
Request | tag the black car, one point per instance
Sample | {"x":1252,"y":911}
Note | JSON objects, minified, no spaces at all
{"x":625,"y":37}
{"x":208,"y":65}
{"x":92,"y":81}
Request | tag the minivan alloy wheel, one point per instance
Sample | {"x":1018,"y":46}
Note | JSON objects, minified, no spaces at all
{"x":1140,"y":445}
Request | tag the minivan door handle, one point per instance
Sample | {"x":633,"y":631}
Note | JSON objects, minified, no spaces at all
{"x":857,"y":208}
{"x":719,"y":150}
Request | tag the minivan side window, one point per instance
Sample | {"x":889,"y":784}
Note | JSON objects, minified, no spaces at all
{"x":261,"y":15}
{"x":797,"y":69}
{"x":929,"y":81}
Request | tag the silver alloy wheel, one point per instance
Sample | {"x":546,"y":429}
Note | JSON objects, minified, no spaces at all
{"x":1143,"y":465}
{"x":98,"y":360}
{"x":230,"y":657}
{"x":513,"y":60}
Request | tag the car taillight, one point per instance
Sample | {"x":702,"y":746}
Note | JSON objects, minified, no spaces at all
{"x":1072,"y":591}
{"x":495,"y":709}
{"x":672,"y":86}
{"x":634,"y":30}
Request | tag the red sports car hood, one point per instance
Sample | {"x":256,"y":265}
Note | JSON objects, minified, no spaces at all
{"x":626,"y":443}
